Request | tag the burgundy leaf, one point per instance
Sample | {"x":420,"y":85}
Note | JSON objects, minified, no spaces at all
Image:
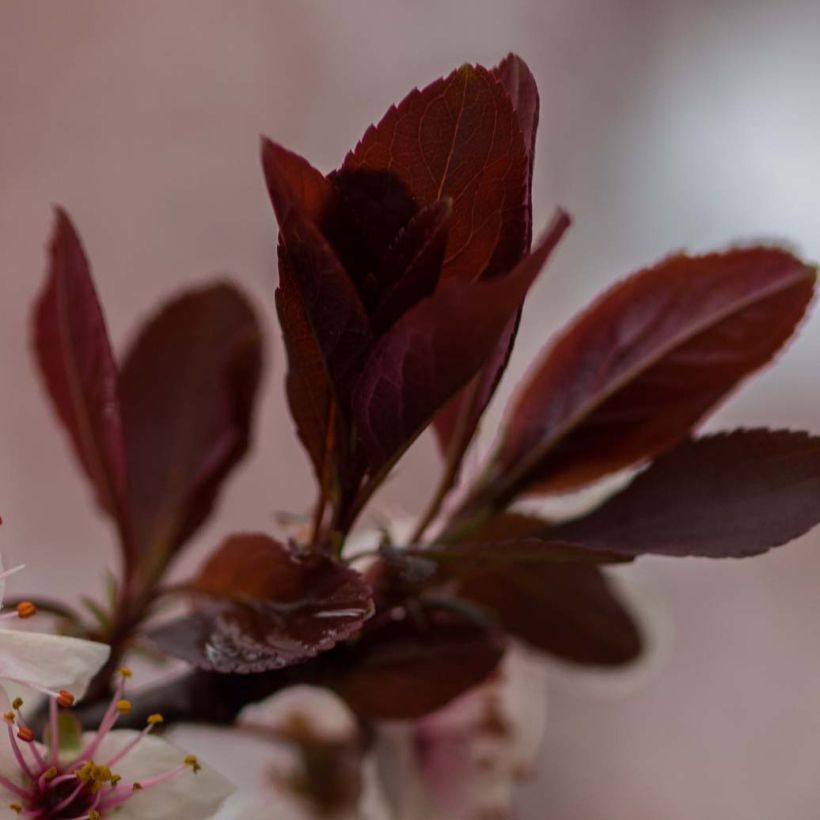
{"x":723,"y":496}
{"x":510,"y":538}
{"x":78,"y":367}
{"x":459,"y":137}
{"x":269,"y":607}
{"x":334,"y":312}
{"x":309,"y":392}
{"x":436,"y":348}
{"x":565,"y":609}
{"x":188,"y":387}
{"x":645,"y":363}
{"x":518,"y":82}
{"x":415,"y":256}
{"x":371,"y":207}
{"x":456,"y":423}
{"x":403,"y":671}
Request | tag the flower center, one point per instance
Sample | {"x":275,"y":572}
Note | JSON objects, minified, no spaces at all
{"x":87,"y":787}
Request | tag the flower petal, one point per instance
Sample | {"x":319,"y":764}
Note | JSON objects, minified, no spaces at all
{"x":50,"y":662}
{"x":321,"y":715}
{"x":186,"y":797}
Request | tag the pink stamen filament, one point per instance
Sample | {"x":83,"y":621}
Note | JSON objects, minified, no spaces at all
{"x":128,"y":747}
{"x":35,"y":752}
{"x":106,"y":725}
{"x":64,"y":804}
{"x":54,"y":757}
{"x":123,"y":791}
{"x":21,"y":761}
{"x":7,"y":572}
{"x":15,"y":789}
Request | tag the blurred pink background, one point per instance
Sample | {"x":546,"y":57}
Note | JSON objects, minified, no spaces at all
{"x":665,"y":124}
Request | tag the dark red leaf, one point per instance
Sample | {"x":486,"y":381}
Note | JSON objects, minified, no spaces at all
{"x":404,"y":671}
{"x":188,"y":386}
{"x":371,"y":207}
{"x":334,"y":312}
{"x":436,"y":348}
{"x":269,"y":608}
{"x":310,"y":395}
{"x":459,"y":137}
{"x":724,"y":496}
{"x":75,"y":358}
{"x":565,"y":609}
{"x":414,"y":260}
{"x":645,"y":363}
{"x":456,"y":423}
{"x":518,"y":82}
{"x":510,"y":538}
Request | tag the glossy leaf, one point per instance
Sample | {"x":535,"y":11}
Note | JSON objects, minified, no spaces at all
{"x":268,"y":608}
{"x":646,"y":362}
{"x":460,"y":138}
{"x":436,"y":348}
{"x":403,"y":671}
{"x":723,"y":496}
{"x":78,"y":368}
{"x":188,"y":386}
{"x":565,"y":609}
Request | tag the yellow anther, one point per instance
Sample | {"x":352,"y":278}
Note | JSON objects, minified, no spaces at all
{"x":85,"y":772}
{"x":125,"y":672}
{"x":136,"y":787}
{"x":50,"y":774}
{"x":191,"y":760}
{"x":115,"y":778}
{"x":94,"y":815}
{"x":154,"y":719}
{"x":123,"y":706}
{"x":16,"y":807}
{"x":16,"y":704}
{"x":9,"y":717}
{"x":26,"y":609}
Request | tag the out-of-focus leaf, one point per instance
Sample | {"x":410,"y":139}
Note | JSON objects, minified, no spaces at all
{"x":436,"y":348}
{"x":78,"y":367}
{"x":633,"y":374}
{"x":723,"y":496}
{"x":404,"y":670}
{"x":267,"y":608}
{"x":460,"y":138}
{"x":565,"y":609}
{"x":188,"y":386}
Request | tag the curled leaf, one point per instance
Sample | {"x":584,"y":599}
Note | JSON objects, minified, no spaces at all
{"x":266,"y":607}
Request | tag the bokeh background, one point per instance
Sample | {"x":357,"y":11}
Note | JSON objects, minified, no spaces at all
{"x":666,"y":124}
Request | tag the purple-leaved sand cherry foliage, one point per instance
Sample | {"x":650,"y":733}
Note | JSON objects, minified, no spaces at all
{"x":403,"y":274}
